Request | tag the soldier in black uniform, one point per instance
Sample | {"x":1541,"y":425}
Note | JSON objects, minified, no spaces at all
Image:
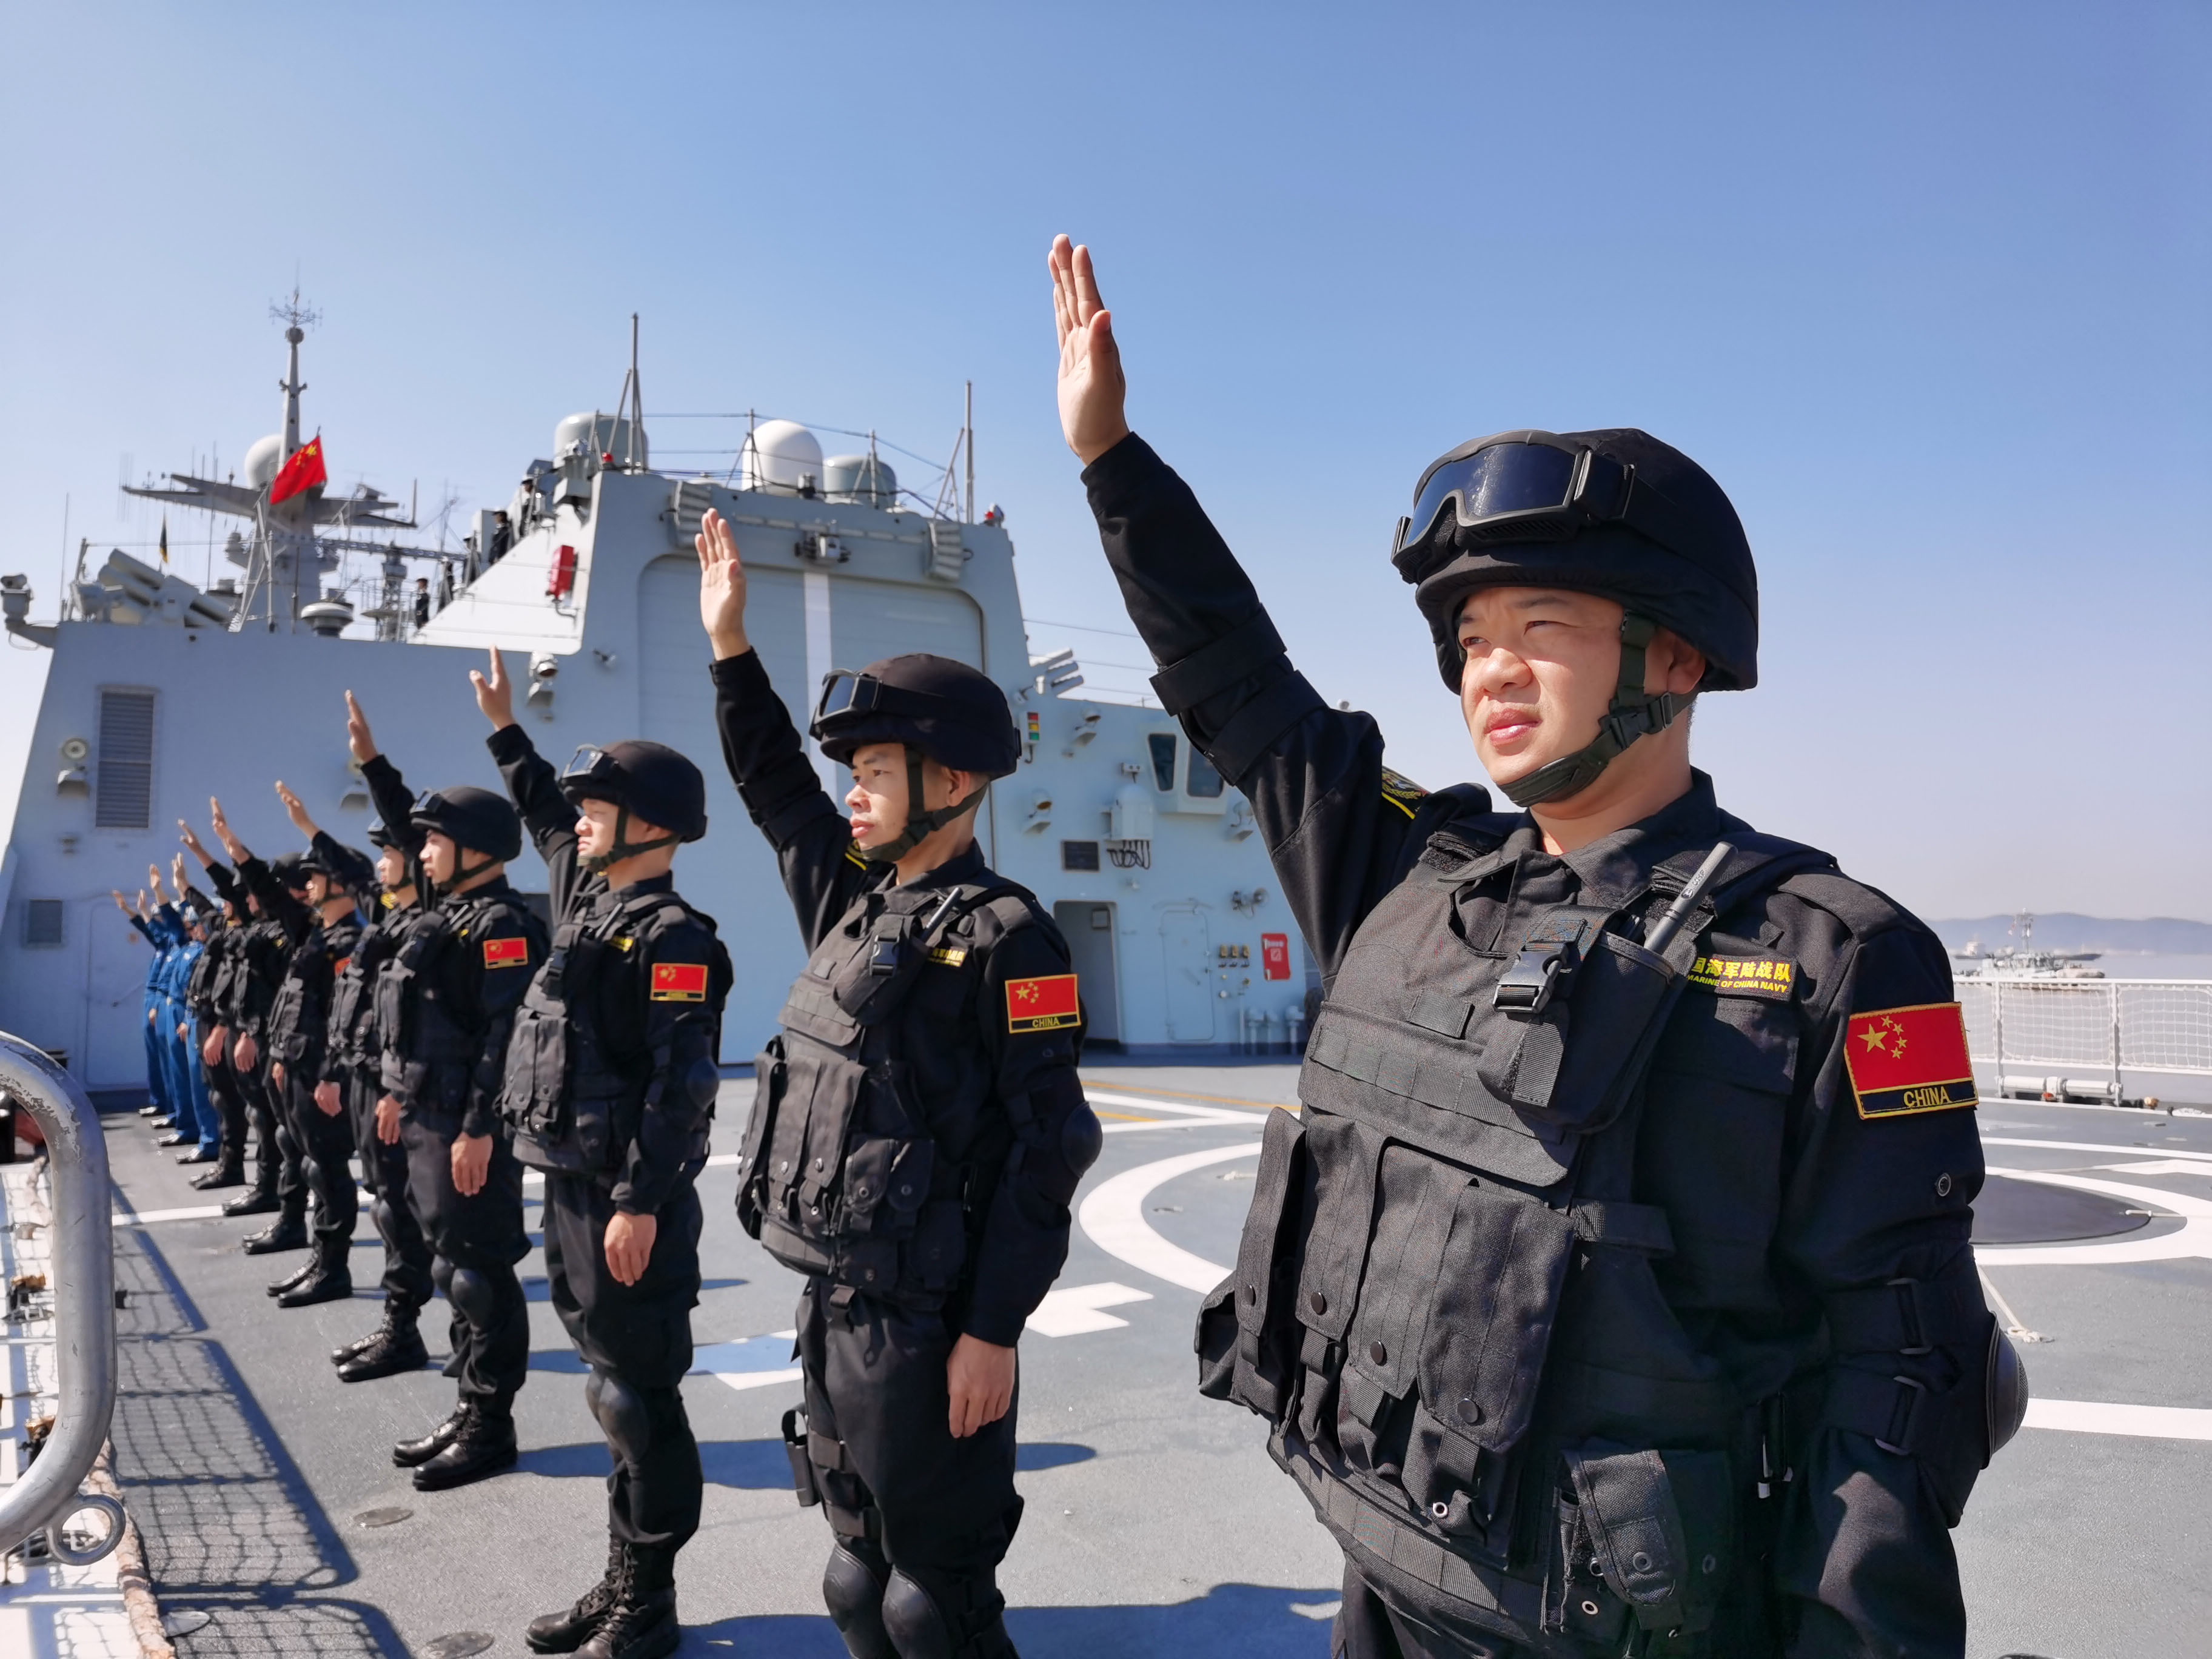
{"x":314,"y":897}
{"x":280,"y":1185}
{"x":204,"y":993}
{"x":610,"y":1090}
{"x":352,"y":1077}
{"x":918,"y":1129}
{"x":445,"y":1008}
{"x":1611,"y":1293}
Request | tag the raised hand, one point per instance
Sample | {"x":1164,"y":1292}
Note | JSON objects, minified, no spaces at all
{"x":177,"y":873}
{"x":495,"y":692}
{"x":142,"y":912}
{"x":1092,"y":390}
{"x":121,"y":902}
{"x":153,"y":881}
{"x":721,"y":586}
{"x":295,"y":811}
{"x":231,"y":843}
{"x":359,"y":739}
{"x":191,"y":841}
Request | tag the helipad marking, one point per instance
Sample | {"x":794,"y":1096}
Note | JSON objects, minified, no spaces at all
{"x":2101,"y":1417}
{"x":2161,"y":1166}
{"x":719,"y":1160}
{"x":2193,"y":1238}
{"x":1114,"y":1218}
{"x":2100,"y":1146}
{"x":193,"y":1213}
{"x":750,"y":1362}
{"x":1174,"y":1114}
{"x":1074,"y":1311}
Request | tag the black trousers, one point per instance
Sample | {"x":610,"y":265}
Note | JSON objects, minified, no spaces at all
{"x":1367,"y":1627}
{"x":480,"y":1237}
{"x":325,"y":1143}
{"x":407,"y":1282}
{"x":277,"y":1153}
{"x":639,"y":1335}
{"x":879,"y":1435}
{"x":230,"y":1106}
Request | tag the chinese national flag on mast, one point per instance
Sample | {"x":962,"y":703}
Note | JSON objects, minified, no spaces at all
{"x":303,"y":472}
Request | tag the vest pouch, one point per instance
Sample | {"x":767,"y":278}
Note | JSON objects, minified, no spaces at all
{"x":770,"y":1076}
{"x":1249,"y":1335}
{"x":535,"y":1091}
{"x":874,"y":980}
{"x":1572,"y":1066}
{"x":1495,"y":1296}
{"x":807,"y":1143}
{"x":886,"y":1184}
{"x":1659,"y":1529}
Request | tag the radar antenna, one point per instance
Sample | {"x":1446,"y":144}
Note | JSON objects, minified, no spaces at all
{"x":630,"y":407}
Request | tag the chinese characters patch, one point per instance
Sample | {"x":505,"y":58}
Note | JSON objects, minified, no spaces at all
{"x":679,"y":981}
{"x":1744,"y":976}
{"x":1904,"y":1060}
{"x":1041,"y":1004}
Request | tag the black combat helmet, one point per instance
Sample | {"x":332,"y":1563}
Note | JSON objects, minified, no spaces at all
{"x":348,"y":868}
{"x":931,"y":706}
{"x":648,"y":779}
{"x":293,"y":869}
{"x":381,"y":836}
{"x":473,"y":818}
{"x":1615,"y":513}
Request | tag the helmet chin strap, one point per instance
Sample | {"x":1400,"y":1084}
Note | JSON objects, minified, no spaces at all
{"x":623,"y":847}
{"x":1635,"y":713}
{"x":920,"y":825}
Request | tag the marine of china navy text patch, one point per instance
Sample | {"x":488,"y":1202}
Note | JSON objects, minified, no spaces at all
{"x":1745,"y":976}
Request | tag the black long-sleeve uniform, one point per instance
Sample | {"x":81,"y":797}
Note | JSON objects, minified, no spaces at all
{"x":1793,"y":1208}
{"x":1000,"y":1110}
{"x":610,"y":1090}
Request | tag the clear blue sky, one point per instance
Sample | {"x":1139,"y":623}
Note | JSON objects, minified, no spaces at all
{"x":1924,"y":287}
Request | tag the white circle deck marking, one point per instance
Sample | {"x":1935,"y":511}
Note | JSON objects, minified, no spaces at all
{"x":1113,"y":1219}
{"x":2193,"y":1238}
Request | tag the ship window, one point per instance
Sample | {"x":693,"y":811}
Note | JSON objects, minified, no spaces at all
{"x":1205,"y":780}
{"x":1164,"y":747}
{"x":42,"y":922}
{"x":1078,"y":855}
{"x":124,"y":797}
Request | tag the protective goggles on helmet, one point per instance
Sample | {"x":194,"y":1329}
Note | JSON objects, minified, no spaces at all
{"x":592,"y":764}
{"x":844,"y":692}
{"x":1529,"y":487}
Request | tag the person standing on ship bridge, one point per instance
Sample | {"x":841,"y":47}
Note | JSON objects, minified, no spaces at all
{"x":1611,"y":1293}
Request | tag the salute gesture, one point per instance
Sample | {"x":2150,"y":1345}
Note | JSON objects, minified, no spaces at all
{"x":359,"y":739}
{"x":1092,"y":389}
{"x":495,"y":692}
{"x":294,"y":810}
{"x":721,"y":586}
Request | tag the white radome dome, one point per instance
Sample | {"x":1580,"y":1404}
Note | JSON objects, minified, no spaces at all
{"x":263,"y":459}
{"x":783,"y":458}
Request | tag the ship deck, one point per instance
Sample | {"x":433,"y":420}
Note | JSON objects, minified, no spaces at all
{"x":1155,"y":1524}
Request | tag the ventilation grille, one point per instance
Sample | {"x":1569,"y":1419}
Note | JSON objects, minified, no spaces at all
{"x":42,"y":921}
{"x":124,"y":797}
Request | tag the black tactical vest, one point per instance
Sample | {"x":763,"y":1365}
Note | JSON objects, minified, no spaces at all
{"x":437,"y":1045}
{"x":841,"y":1173}
{"x":299,"y":1018}
{"x":572,"y":1101}
{"x":1444,"y":1300}
{"x":353,"y":998}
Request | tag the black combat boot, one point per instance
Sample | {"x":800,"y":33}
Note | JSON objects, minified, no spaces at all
{"x":395,"y":1346}
{"x":411,"y":1454}
{"x":570,"y":1628}
{"x":225,"y":1174}
{"x":262,"y":1200}
{"x":328,"y":1279}
{"x":641,"y":1624}
{"x":289,"y":1231}
{"x":482,"y":1446}
{"x":299,"y":1276}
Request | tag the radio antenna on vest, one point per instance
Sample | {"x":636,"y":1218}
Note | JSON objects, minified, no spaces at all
{"x":1669,"y":925}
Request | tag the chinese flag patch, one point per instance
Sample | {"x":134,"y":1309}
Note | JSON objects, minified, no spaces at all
{"x":1041,"y":1004}
{"x":1904,"y":1060}
{"x":679,"y":981}
{"x":507,"y":953}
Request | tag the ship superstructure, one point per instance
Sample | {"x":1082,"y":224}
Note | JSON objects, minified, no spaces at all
{"x":161,"y":694}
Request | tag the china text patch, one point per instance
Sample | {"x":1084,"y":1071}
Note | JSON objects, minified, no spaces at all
{"x":1041,"y":1004}
{"x":679,"y":981}
{"x":1904,"y":1060}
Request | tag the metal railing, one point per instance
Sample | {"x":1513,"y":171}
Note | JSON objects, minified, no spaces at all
{"x":82,"y":1260}
{"x":2103,"y":1027}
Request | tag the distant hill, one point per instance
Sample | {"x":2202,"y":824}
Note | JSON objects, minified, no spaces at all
{"x":2063,"y":930}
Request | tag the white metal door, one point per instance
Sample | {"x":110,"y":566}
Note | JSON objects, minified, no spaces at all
{"x":1186,"y":977}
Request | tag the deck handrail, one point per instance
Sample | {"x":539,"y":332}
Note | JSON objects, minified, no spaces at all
{"x":82,"y":1259}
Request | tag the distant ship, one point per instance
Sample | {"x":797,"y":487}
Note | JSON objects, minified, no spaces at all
{"x":2024,"y":960}
{"x":162,"y":693}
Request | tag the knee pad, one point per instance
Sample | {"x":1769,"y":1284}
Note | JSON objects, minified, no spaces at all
{"x":623,"y":1415}
{"x":473,"y":1294}
{"x":441,"y":1278}
{"x":852,"y":1590}
{"x":380,"y":1217}
{"x":916,"y":1626}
